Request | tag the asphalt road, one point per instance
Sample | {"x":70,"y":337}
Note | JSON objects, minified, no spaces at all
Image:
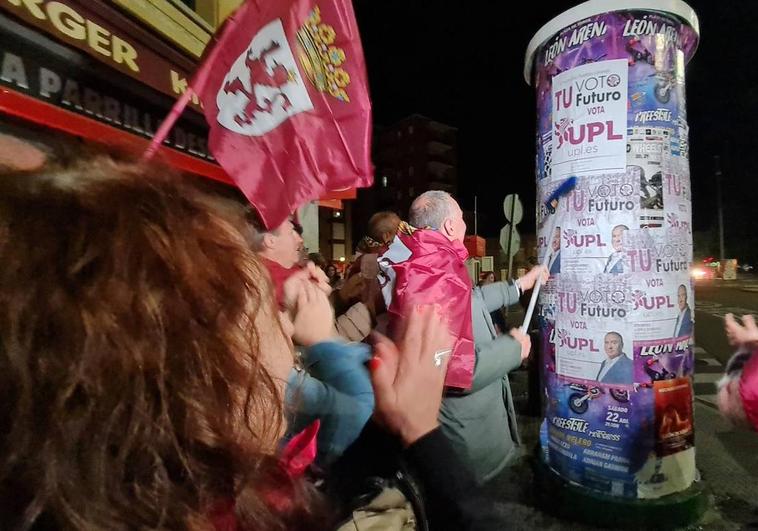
{"x":713,"y":300}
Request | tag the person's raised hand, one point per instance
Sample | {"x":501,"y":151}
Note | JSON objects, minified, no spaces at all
{"x":310,"y":274}
{"x":741,"y":336}
{"x":729,"y":401}
{"x":313,"y":317}
{"x":318,"y":277}
{"x":527,"y":281}
{"x":409,"y":377}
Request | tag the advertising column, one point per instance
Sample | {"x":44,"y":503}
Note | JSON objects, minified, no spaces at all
{"x":617,"y":313}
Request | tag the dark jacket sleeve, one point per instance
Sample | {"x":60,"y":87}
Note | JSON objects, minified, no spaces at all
{"x":453,"y":499}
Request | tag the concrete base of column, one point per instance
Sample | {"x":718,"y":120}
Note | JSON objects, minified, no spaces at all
{"x":565,"y":500}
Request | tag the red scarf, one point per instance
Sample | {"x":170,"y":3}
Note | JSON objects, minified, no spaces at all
{"x":749,"y":389}
{"x":279,"y":274}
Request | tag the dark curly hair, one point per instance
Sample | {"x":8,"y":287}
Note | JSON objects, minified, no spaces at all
{"x":133,"y":390}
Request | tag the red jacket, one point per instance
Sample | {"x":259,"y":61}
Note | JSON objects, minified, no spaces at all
{"x":749,"y":389}
{"x":279,"y":274}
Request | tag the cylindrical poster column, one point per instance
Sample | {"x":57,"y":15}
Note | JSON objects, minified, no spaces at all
{"x":617,"y":313}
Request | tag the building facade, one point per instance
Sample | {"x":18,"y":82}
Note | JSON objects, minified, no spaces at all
{"x":84,"y":75}
{"x":411,"y":156}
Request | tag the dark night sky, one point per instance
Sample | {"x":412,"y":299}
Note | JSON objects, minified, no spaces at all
{"x":462,"y":63}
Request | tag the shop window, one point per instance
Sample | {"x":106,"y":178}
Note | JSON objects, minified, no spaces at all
{"x":338,"y":252}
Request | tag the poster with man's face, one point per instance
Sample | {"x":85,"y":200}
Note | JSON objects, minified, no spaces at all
{"x":592,"y":350}
{"x":592,"y":219}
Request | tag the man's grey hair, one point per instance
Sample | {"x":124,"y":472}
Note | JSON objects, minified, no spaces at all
{"x":430,"y":209}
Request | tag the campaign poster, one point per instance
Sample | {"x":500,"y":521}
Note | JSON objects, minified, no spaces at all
{"x":677,"y":196}
{"x":654,"y":48}
{"x":592,"y":350}
{"x":594,"y":218}
{"x":654,"y":299}
{"x":665,"y":299}
{"x":655,"y":254}
{"x":601,"y":300}
{"x":589,"y":119}
{"x":600,"y":248}
{"x":617,"y":315}
{"x":671,"y":323}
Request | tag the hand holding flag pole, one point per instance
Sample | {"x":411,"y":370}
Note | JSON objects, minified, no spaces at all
{"x":284,"y":90}
{"x":167,"y":124}
{"x":196,"y":84}
{"x":551,"y":204}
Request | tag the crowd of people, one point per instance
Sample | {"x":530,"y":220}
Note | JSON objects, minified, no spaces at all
{"x":167,"y":362}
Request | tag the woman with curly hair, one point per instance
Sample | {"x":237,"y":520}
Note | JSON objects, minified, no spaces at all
{"x":143,"y":364}
{"x":142,"y":361}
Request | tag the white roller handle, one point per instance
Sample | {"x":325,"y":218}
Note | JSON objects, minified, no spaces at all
{"x":538,"y":282}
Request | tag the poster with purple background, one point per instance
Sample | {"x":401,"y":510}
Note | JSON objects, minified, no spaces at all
{"x":617,"y":314}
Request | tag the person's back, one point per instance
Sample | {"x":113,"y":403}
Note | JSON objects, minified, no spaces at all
{"x":481,"y":423}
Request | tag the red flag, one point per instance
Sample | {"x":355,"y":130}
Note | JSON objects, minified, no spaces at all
{"x":424,"y":267}
{"x":301,"y":450}
{"x":286,"y":96}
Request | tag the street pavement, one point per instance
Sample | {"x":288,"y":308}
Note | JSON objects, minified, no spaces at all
{"x":713,"y":300}
{"x":727,"y":459}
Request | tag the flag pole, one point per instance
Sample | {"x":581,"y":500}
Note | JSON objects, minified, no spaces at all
{"x":167,"y":124}
{"x":195,"y":86}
